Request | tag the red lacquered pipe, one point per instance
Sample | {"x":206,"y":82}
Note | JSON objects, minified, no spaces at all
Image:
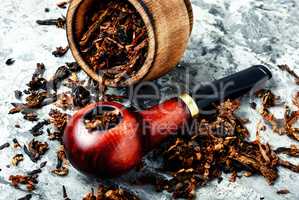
{"x":163,"y":120}
{"x":104,"y":153}
{"x":117,"y":150}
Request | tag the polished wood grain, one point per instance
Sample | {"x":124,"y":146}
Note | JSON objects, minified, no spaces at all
{"x":115,"y":151}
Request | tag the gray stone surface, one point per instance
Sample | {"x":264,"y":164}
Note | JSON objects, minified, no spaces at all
{"x":228,"y":35}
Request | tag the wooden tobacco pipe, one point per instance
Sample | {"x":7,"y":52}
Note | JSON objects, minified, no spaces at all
{"x":116,"y":150}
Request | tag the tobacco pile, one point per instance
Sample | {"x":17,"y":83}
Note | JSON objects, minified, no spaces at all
{"x":218,"y":145}
{"x":102,"y":119}
{"x":115,"y":43}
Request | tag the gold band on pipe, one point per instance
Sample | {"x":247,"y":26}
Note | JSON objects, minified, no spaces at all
{"x":191,"y":104}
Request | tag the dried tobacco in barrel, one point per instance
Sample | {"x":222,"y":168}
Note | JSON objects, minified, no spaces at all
{"x":115,"y":42}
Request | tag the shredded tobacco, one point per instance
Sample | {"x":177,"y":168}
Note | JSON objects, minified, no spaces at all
{"x":218,"y":145}
{"x":101,"y":119}
{"x":62,"y":4}
{"x":10,"y":61}
{"x":58,"y":119}
{"x":115,"y":42}
{"x":5,"y":145}
{"x":284,"y":126}
{"x":60,"y":51}
{"x":36,"y":149}
{"x":110,"y":193}
{"x":64,"y":193}
{"x":290,"y":71}
{"x":59,"y":22}
{"x":17,"y":159}
{"x":283,"y":191}
{"x":29,"y":181}
{"x":36,"y":130}
{"x":16,"y":143}
{"x":62,"y":163}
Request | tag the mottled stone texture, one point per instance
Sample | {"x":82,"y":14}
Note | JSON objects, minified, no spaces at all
{"x":228,"y":35}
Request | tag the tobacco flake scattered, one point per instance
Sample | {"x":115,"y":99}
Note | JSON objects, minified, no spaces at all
{"x":26,"y":197}
{"x":59,"y":22}
{"x":73,"y":66}
{"x":18,"y":94}
{"x":62,"y":163}
{"x":30,"y":116}
{"x":290,"y":71}
{"x":81,"y":96}
{"x":10,"y":61}
{"x":60,"y":51}
{"x":101,"y":119}
{"x":36,"y":149}
{"x":58,"y":119}
{"x":62,"y":4}
{"x":36,"y":129}
{"x":43,"y":164}
{"x":5,"y":145}
{"x":110,"y":193}
{"x":64,"y":101}
{"x":16,"y":143}
{"x":283,"y":191}
{"x":29,"y":181}
{"x":17,"y":159}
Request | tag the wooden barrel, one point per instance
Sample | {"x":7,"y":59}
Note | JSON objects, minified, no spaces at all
{"x":168,"y":23}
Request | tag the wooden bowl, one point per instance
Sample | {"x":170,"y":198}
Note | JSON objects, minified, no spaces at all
{"x":168,"y":23}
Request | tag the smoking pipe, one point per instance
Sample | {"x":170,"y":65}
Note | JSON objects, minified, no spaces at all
{"x":114,"y":151}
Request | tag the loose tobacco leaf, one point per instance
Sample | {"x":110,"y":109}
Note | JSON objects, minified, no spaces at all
{"x":34,"y":172}
{"x":73,"y":66}
{"x":18,"y":94}
{"x":17,"y":159}
{"x":62,"y":163}
{"x":62,"y":4}
{"x":36,"y":129}
{"x":55,"y":135}
{"x":59,"y":22}
{"x":283,"y":191}
{"x":64,"y":193}
{"x":5,"y":145}
{"x":101,"y":119}
{"x":116,"y":42}
{"x":290,"y":117}
{"x":16,"y":143}
{"x":81,"y":96}
{"x":58,"y":119}
{"x":110,"y":193}
{"x":30,"y":116}
{"x":292,"y":151}
{"x":217,"y":145}
{"x":43,"y":164}
{"x":290,"y":71}
{"x":29,"y":181}
{"x":36,"y":149}
{"x":26,"y":197}
{"x":60,"y":51}
{"x":64,"y":101}
{"x":10,"y":61}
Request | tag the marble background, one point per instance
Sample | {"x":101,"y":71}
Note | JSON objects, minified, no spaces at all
{"x":228,"y":35}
